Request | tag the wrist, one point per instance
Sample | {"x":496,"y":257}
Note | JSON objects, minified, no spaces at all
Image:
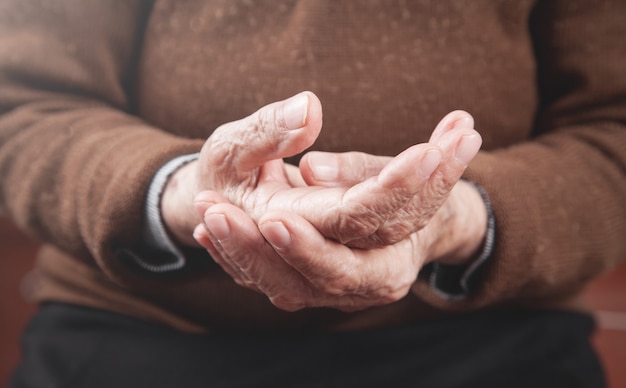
{"x":459,"y":227}
{"x":176,"y":206}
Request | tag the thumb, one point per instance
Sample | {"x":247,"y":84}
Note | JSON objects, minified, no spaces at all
{"x":276,"y":131}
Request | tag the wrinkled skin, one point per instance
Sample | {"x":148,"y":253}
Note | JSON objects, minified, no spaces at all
{"x":347,"y":231}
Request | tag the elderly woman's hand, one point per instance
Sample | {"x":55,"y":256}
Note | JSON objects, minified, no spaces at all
{"x":241,"y":163}
{"x":364,"y":225}
{"x":286,"y":258}
{"x":295,"y":266}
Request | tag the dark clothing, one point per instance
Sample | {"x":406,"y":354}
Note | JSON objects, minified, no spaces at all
{"x":70,"y":346}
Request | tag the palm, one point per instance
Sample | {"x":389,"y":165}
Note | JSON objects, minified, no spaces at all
{"x":242,"y":163}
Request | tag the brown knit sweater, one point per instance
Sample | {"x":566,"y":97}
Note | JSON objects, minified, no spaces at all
{"x":95,"y":96}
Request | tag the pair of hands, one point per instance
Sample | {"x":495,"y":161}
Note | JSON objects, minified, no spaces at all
{"x":347,"y":231}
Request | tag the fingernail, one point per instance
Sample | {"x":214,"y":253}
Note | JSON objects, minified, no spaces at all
{"x":277,"y":234}
{"x":467,"y":148}
{"x":429,"y":164}
{"x":464,"y":122}
{"x":218,"y":226}
{"x":295,"y":111}
{"x":197,"y":232}
{"x":325,"y":167}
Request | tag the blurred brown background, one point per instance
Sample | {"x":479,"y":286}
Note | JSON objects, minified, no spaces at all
{"x":606,"y":296}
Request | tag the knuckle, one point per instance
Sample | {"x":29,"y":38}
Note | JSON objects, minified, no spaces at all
{"x":218,"y":151}
{"x":365,"y":165}
{"x":260,"y":130}
{"x":262,"y":121}
{"x":268,"y":119}
{"x":357,"y":165}
{"x":396,"y":231}
{"x":429,"y":205}
{"x":393,"y":233}
{"x":359,"y":223}
{"x":390,"y":232}
{"x":439,"y":186}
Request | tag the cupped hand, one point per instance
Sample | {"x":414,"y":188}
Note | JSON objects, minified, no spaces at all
{"x":459,"y":143}
{"x":286,"y":258}
{"x":241,"y":162}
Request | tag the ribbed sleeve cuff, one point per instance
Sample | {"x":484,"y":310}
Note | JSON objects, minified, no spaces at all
{"x":154,"y":233}
{"x":456,"y":282}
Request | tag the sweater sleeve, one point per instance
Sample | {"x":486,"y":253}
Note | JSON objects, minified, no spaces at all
{"x":559,"y":199}
{"x":75,"y":164}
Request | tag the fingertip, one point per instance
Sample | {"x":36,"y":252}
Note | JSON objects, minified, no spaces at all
{"x":301,"y":110}
{"x":461,"y":119}
{"x":295,"y":111}
{"x":198,"y":230}
{"x":314,"y":108}
{"x":201,"y":236}
{"x":312,"y":124}
{"x":467,"y":148}
{"x":458,"y":119}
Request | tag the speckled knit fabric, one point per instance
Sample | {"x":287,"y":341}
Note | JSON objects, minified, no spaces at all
{"x":95,"y":96}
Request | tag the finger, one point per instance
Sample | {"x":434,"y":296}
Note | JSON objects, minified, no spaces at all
{"x":358,"y":212}
{"x":459,"y":147}
{"x":247,"y":252}
{"x":454,"y":119}
{"x":346,"y":169}
{"x":460,"y":144}
{"x":364,"y":219}
{"x":370,"y":204}
{"x":210,"y":235}
{"x":340,"y":169}
{"x":212,"y":245}
{"x":285,"y":286}
{"x":276,"y":131}
{"x":378,"y":276}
